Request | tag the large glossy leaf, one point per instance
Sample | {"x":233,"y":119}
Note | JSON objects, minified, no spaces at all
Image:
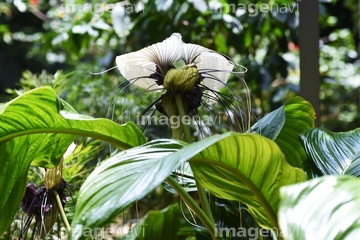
{"x":129,"y":176}
{"x":162,"y":224}
{"x":285,"y":124}
{"x":322,"y":208}
{"x":40,"y":111}
{"x":334,"y":153}
{"x":120,"y":180}
{"x":35,"y":128}
{"x":300,"y":116}
{"x":247,"y":168}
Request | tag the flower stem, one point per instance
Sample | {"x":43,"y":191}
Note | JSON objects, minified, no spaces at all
{"x":201,"y":191}
{"x":208,"y":223}
{"x":181,"y":110}
{"x":61,"y":210}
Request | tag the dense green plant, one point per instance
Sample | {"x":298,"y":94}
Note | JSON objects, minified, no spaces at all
{"x":51,"y":125}
{"x":47,"y":100}
{"x":215,"y":161}
{"x":255,"y":180}
{"x":250,"y":168}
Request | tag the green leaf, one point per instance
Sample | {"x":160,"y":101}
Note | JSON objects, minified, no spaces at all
{"x":285,"y":124}
{"x":162,"y":224}
{"x":247,"y":168}
{"x":40,"y":111}
{"x":322,"y":208}
{"x":271,"y":124}
{"x":131,"y":174}
{"x":127,"y":177}
{"x":334,"y":153}
{"x":33,"y":131}
{"x":120,"y":180}
{"x":187,"y":232}
{"x":300,"y":116}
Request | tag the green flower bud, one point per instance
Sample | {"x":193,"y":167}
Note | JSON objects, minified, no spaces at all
{"x":181,"y":80}
{"x":53,"y":177}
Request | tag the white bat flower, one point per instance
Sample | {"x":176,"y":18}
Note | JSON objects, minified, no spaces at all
{"x":174,"y":67}
{"x":148,"y":67}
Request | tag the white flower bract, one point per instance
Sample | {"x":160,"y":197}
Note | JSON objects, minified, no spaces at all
{"x":141,"y":66}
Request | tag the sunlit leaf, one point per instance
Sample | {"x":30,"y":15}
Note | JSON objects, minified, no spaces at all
{"x":285,"y":124}
{"x":322,"y":208}
{"x":36,"y":129}
{"x":128,"y":176}
{"x":131,"y":174}
{"x":300,"y":116}
{"x":250,"y":169}
{"x":120,"y":180}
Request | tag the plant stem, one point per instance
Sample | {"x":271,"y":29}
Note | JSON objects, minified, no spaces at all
{"x":203,"y":199}
{"x":181,"y":110}
{"x":201,"y":191}
{"x":61,"y":210}
{"x":208,"y":223}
